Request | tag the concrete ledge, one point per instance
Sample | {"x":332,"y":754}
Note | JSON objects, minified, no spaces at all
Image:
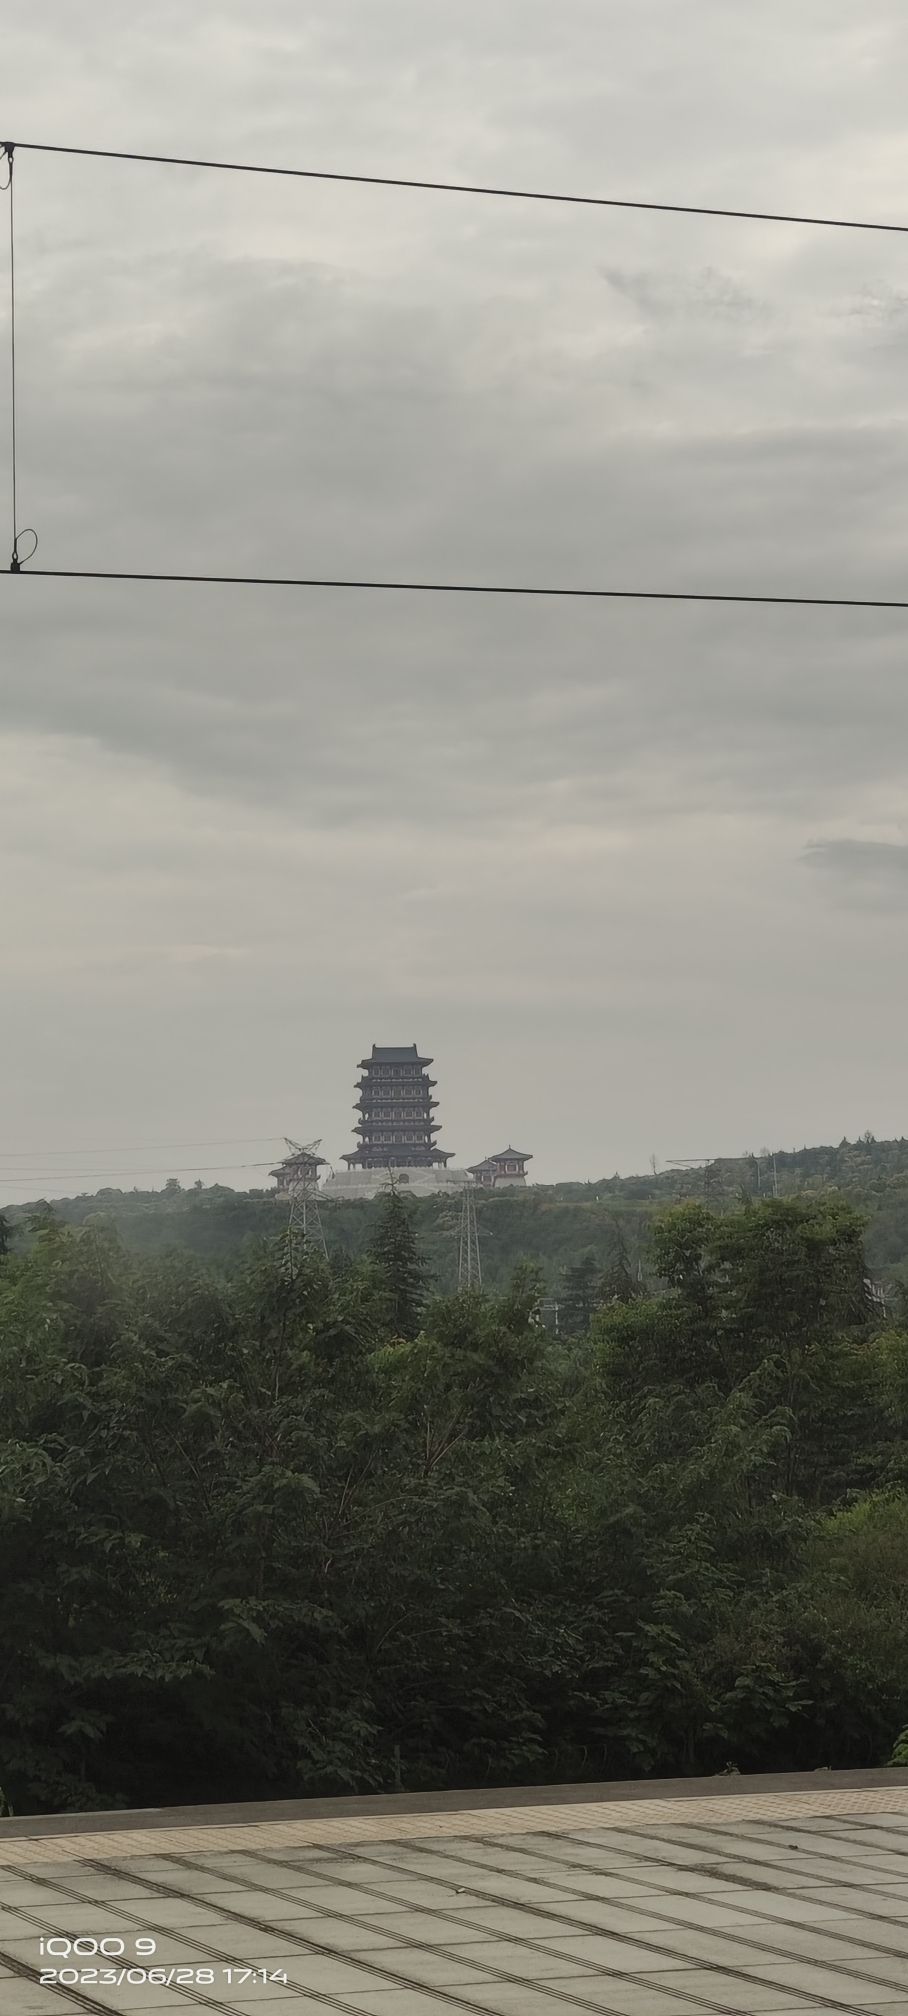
{"x":497,"y":1799}
{"x":347,"y":1184}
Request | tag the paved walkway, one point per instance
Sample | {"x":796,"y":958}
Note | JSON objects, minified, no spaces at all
{"x":774,"y":1902}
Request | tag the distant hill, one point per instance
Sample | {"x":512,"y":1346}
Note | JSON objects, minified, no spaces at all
{"x":552,"y":1225}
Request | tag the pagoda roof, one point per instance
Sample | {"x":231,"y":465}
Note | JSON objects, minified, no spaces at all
{"x":402,"y":1055}
{"x":504,"y":1155}
{"x":395,"y":1128}
{"x":419,"y":1155}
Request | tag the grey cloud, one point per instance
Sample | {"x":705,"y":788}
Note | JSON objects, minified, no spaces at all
{"x":245,"y":798}
{"x":882,"y":303}
{"x":293,"y":419}
{"x":698,"y":296}
{"x":862,"y":871}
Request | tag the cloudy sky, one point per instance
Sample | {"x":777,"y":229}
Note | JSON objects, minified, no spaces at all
{"x":635,"y":875}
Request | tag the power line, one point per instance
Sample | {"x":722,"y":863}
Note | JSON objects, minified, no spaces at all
{"x":12,"y":350}
{"x":413,"y":587}
{"x":193,"y":1169}
{"x":137,"y":1147}
{"x":460,"y":188}
{"x":7,"y":151}
{"x":467,"y":588}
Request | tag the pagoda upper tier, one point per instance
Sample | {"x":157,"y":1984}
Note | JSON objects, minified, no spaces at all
{"x":406,"y":1055}
{"x":396,"y":1129}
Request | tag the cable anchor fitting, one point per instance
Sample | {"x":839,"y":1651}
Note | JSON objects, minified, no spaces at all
{"x":17,"y":563}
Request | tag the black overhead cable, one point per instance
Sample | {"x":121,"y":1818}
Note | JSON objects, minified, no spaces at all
{"x":468,"y":588}
{"x":462,"y":188}
{"x":39,"y":1155}
{"x":17,"y":566}
{"x":7,"y":151}
{"x":8,"y":184}
{"x":44,"y":1174}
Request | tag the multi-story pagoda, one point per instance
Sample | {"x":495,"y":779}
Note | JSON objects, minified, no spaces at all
{"x":395,"y":1128}
{"x":508,"y":1169}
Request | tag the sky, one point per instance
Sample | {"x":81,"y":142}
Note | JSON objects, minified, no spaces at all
{"x":634,"y":875}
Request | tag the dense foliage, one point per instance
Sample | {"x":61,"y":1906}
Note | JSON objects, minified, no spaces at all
{"x":555,"y":1227}
{"x":278,"y":1532}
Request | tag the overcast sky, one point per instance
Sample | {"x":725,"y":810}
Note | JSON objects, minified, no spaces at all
{"x":635,"y":876}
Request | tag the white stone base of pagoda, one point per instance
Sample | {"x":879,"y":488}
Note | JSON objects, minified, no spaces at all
{"x":366,"y":1183}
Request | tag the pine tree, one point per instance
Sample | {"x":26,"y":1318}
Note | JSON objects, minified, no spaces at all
{"x":620,"y":1282}
{"x":395,"y":1250}
{"x":580,"y":1297}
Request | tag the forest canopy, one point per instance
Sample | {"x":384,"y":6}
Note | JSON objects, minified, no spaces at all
{"x":283,"y":1530}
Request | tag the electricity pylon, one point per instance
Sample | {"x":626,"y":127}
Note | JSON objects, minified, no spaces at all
{"x":705,"y":1162}
{"x":469,"y":1270}
{"x":304,"y":1226}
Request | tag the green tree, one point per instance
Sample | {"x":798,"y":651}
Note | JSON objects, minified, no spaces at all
{"x":620,"y":1281}
{"x":395,"y":1251}
{"x":847,"y":1623}
{"x":899,"y":1758}
{"x":266,"y":1538}
{"x":579,"y":1297}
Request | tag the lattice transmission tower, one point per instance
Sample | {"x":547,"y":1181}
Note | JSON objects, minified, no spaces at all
{"x":469,"y":1269}
{"x":304,"y":1226}
{"x":687,"y":1164}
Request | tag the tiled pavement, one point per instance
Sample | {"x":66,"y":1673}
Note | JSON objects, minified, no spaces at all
{"x":777,"y":1903}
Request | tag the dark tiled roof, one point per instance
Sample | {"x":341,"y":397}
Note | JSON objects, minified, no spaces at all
{"x":302,"y":1161}
{"x":407,"y":1055}
{"x":418,"y":1155}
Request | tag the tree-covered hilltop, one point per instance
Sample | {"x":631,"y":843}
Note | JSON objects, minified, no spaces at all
{"x":273,"y":1531}
{"x":558,"y":1227}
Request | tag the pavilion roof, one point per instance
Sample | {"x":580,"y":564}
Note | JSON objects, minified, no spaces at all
{"x":302,"y":1155}
{"x":408,"y":1054}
